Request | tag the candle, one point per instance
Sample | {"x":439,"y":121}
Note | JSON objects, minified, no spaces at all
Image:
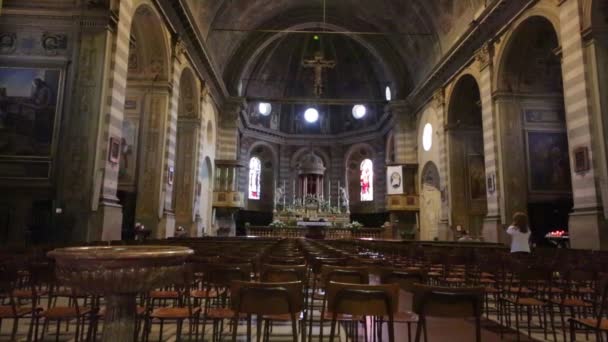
{"x":293,"y":191}
{"x":329,"y":191}
{"x":284,"y":194}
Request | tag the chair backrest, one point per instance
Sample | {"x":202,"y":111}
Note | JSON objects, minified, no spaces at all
{"x":603,"y":302}
{"x":447,"y":301}
{"x":344,"y":274}
{"x":405,"y":279}
{"x":267,"y":298}
{"x":362,"y":299}
{"x":283,"y":273}
{"x":224,"y":274}
{"x":285,"y":260}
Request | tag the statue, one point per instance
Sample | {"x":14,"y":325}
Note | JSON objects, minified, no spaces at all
{"x":279,"y":194}
{"x":343,"y":198}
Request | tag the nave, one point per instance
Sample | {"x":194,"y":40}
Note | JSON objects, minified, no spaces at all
{"x":359,"y":280}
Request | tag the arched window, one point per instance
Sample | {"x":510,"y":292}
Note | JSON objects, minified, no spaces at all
{"x":255,"y":168}
{"x":367,"y":180}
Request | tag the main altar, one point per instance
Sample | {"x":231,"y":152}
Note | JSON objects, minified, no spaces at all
{"x":308,"y":206}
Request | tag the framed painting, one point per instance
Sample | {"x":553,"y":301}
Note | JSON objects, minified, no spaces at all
{"x":581,"y":159}
{"x":395,"y":180}
{"x":29,"y":99}
{"x":477,"y":177}
{"x":114,"y":151}
{"x":548,"y":162}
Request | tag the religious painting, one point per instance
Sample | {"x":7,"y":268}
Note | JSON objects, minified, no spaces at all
{"x":581,"y":159}
{"x":28,"y":106}
{"x":394,"y":174}
{"x":128,"y":151}
{"x":477,"y":177}
{"x":367,"y":180}
{"x":114,"y":150}
{"x":548,"y":162}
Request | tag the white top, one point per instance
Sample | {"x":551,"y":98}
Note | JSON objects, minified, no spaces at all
{"x":519,"y":240}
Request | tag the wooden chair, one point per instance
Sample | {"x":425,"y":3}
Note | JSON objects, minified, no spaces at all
{"x":269,"y":301}
{"x":405,"y":280}
{"x":184,"y":310}
{"x":10,"y":309}
{"x":450,"y":302}
{"x":338,"y":274}
{"x":360,"y":301}
{"x":597,"y":324}
{"x":286,"y":273}
{"x":219,"y":279}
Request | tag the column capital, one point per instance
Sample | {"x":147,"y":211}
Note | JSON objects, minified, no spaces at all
{"x":232,"y":107}
{"x":485,"y":55}
{"x":438,"y":99}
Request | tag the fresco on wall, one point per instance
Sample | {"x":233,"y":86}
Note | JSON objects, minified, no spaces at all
{"x":549,"y":166}
{"x":128,"y":151}
{"x":477,"y":177}
{"x":28,"y":105}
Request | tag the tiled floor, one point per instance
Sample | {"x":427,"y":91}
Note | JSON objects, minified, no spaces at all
{"x":439,"y":329}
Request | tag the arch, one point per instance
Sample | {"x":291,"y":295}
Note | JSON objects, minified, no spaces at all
{"x":466,"y":155}
{"x":468,"y":80}
{"x":267,"y":175}
{"x":188,"y":103}
{"x":532,"y":122}
{"x":269,"y":147}
{"x":353,"y":158}
{"x":149,"y":55}
{"x":430,"y":175}
{"x":295,"y":158}
{"x":539,"y":13}
{"x":239,"y":70}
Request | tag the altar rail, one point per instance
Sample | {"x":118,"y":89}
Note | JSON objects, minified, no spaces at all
{"x":330,"y":233}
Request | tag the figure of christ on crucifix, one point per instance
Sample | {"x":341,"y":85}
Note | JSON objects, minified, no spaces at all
{"x":318,"y":63}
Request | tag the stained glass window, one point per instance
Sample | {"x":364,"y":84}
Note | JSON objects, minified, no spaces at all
{"x":367,"y":180}
{"x":255,"y":168}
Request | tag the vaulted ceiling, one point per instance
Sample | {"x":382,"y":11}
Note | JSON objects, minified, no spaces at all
{"x":405,"y":37}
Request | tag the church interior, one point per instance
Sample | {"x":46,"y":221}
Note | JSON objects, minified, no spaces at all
{"x":290,"y":170}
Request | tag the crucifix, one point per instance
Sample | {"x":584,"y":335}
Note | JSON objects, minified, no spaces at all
{"x":318,"y":63}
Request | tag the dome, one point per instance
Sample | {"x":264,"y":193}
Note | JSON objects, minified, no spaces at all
{"x":311,"y":164}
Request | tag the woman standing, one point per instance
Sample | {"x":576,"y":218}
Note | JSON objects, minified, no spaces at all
{"x":520,"y":233}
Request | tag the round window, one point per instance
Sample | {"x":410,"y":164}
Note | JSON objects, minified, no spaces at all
{"x":311,"y":115}
{"x":359,"y":111}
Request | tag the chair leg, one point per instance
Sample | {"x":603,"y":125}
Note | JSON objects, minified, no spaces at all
{"x":294,"y":328}
{"x":15,"y":326}
{"x":248,"y":328}
{"x":235,"y":328}
{"x":258,"y":328}
{"x":478,"y":328}
{"x":333,"y":330}
{"x":572,"y":331}
{"x":419,"y":328}
{"x":160,"y":334}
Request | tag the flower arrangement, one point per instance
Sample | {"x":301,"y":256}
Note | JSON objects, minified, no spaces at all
{"x":557,"y":234}
{"x":277,"y":224}
{"x":354,"y":225}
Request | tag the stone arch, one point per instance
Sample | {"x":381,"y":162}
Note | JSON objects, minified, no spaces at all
{"x":466,"y":160}
{"x":144,"y":189}
{"x":540,"y":12}
{"x":295,"y":158}
{"x":430,"y":175}
{"x":186,"y":152}
{"x":149,"y":53}
{"x":430,"y":202}
{"x":353,"y":158}
{"x":533,"y":135}
{"x":268,"y":156}
{"x":189,"y":102}
{"x":240,"y":69}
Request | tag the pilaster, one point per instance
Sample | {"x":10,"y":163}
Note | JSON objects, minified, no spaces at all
{"x":587,"y":225}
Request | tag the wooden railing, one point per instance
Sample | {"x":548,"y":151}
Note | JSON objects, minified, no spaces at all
{"x":330,"y":233}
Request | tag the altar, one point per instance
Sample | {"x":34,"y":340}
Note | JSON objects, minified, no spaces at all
{"x":311,"y":204}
